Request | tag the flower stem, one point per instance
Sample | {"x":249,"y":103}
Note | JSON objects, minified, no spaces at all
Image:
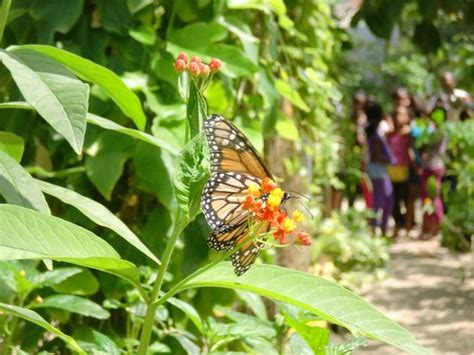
{"x":179,"y":224}
{"x":4,"y":16}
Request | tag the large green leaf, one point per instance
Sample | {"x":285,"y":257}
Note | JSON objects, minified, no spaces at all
{"x":18,"y":187}
{"x":97,"y":213}
{"x":73,"y":304}
{"x":110,"y":82}
{"x":55,"y":93}
{"x":35,"y":318}
{"x":27,"y":234}
{"x":322,"y":297}
{"x":12,"y":144}
{"x":55,"y":16}
{"x":106,"y":124}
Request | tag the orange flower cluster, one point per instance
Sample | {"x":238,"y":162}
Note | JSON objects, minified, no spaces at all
{"x":196,"y":67}
{"x":264,"y":202}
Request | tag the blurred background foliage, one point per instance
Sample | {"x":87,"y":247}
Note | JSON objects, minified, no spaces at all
{"x":290,"y":68}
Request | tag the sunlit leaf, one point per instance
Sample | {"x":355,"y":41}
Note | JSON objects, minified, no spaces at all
{"x":97,"y":213}
{"x":291,"y":94}
{"x":110,"y":82}
{"x":27,"y":234}
{"x":35,"y":318}
{"x":12,"y":144}
{"x":322,"y":297}
{"x":55,"y":93}
{"x":18,"y":187}
{"x":73,"y":304}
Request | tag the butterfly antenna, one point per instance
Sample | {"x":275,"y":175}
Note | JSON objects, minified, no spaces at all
{"x":298,"y":196}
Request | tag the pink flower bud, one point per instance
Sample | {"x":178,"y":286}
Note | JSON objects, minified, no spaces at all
{"x":196,"y":59}
{"x":180,"y":65}
{"x":194,"y":69}
{"x":303,"y":238}
{"x":183,"y":56}
{"x":215,"y":64}
{"x":205,"y":70}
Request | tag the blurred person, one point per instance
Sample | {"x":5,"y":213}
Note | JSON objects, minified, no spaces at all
{"x":400,"y":141}
{"x":358,"y":122}
{"x":456,"y":102}
{"x":419,"y":115}
{"x":379,"y":155}
{"x":432,"y":171}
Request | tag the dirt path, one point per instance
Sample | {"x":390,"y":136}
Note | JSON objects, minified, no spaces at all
{"x":430,"y":292}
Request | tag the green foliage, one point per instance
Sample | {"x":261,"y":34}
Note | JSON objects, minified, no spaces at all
{"x":458,"y":227}
{"x":144,"y":184}
{"x":346,"y":243}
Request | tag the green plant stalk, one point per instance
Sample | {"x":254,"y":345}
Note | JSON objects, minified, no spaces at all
{"x":8,"y":341}
{"x":179,"y":225}
{"x":4,"y":11}
{"x":177,"y":288}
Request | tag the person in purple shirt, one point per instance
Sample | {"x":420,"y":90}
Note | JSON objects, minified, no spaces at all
{"x":379,"y":156}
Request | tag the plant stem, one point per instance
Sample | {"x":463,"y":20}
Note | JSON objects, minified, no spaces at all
{"x":4,"y":16}
{"x":8,"y":341}
{"x":178,"y":287}
{"x":145,"y":337}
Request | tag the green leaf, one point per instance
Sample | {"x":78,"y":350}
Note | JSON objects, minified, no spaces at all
{"x":95,"y":342}
{"x":35,"y":318}
{"x":110,"y":82}
{"x":73,"y":304}
{"x":27,"y":234}
{"x":298,"y":346}
{"x":322,"y":297}
{"x":54,"y":277}
{"x":201,"y":34}
{"x":196,"y":110}
{"x":115,"y":15}
{"x":199,"y":39}
{"x":55,"y":16}
{"x":52,"y":90}
{"x":255,"y":303}
{"x":427,"y":36}
{"x":106,"y":124}
{"x":12,"y":144}
{"x":148,"y":138}
{"x":291,"y":94}
{"x":106,"y":160}
{"x":316,"y":337}
{"x":97,"y":213}
{"x":191,"y":175}
{"x":154,"y":174}
{"x":83,"y":283}
{"x":18,"y":187}
{"x":189,"y":310}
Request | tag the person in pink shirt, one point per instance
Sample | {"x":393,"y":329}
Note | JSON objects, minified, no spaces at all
{"x":400,"y":141}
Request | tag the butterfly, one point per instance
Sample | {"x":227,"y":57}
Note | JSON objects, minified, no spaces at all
{"x":235,"y":166}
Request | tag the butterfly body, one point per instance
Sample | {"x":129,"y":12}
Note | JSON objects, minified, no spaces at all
{"x":235,"y":166}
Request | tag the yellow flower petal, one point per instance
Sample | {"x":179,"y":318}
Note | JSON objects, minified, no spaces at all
{"x":297,"y":216}
{"x":254,"y":190}
{"x":289,"y":225}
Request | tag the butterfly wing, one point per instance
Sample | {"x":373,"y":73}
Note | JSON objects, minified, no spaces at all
{"x":235,"y":165}
{"x":231,"y":151}
{"x":243,"y":258}
{"x":222,"y":200}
